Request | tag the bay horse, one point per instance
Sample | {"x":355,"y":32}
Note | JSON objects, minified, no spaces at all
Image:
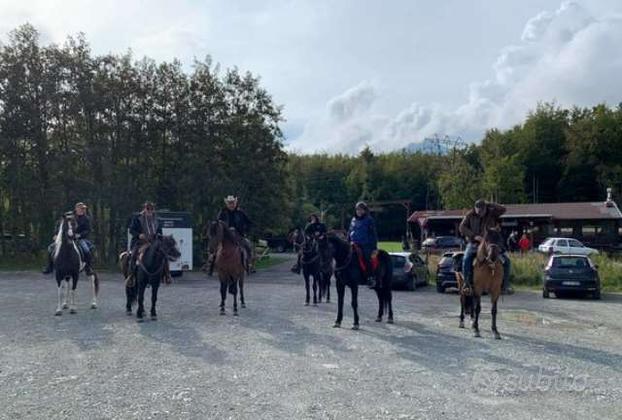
{"x":348,"y":272}
{"x":488,"y":277}
{"x":225,"y":248}
{"x":68,"y":264}
{"x":150,"y":268}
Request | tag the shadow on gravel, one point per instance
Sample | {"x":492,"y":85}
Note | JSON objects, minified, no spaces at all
{"x":184,"y":340}
{"x":583,"y":354}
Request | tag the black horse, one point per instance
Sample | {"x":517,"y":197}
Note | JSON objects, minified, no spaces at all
{"x":310,"y":261}
{"x":326,"y":268}
{"x":68,"y":264}
{"x":150,"y":267}
{"x":384,"y":280}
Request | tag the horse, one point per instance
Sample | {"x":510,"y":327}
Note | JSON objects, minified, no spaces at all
{"x":384,"y":279}
{"x":310,"y":262}
{"x":488,"y":277}
{"x":348,"y":272}
{"x":150,"y":269}
{"x":466,"y":296}
{"x":326,"y":269}
{"x":224,"y":246}
{"x":68,"y":264}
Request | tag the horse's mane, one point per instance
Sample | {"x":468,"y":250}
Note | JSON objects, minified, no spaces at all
{"x":493,"y":236}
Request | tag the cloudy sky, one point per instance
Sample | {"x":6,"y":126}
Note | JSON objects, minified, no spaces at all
{"x":357,"y":72}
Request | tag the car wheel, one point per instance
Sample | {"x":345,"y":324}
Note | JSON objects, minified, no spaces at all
{"x":545,"y":294}
{"x":280,"y":249}
{"x":440,"y":288}
{"x":596,"y":294}
{"x":412,"y":284}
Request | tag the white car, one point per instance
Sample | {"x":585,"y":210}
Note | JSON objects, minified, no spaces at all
{"x":565,"y":246}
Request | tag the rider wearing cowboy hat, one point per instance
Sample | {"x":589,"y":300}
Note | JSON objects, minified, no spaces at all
{"x":476,"y":222}
{"x":238,"y":221}
{"x":81,"y":234}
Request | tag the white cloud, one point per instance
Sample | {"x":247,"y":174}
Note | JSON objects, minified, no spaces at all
{"x":566,"y":55}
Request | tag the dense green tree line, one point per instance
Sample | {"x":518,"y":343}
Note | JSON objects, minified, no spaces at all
{"x":113,"y":131}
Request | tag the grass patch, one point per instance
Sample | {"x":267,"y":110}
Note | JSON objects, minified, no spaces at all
{"x":269,"y":261}
{"x":390,"y":246}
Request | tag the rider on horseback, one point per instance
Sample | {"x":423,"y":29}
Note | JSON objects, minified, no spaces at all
{"x":473,"y":227}
{"x":237,"y":221}
{"x":144,"y":228}
{"x":316,"y":229}
{"x":81,"y":234}
{"x":362,"y":233}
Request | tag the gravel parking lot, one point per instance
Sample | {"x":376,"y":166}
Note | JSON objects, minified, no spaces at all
{"x":559,"y":358}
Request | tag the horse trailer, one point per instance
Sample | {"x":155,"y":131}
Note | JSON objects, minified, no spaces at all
{"x":179,"y":225}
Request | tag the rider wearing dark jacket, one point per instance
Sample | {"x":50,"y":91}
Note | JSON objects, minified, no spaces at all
{"x":81,"y":235}
{"x":237,"y":220}
{"x":314,"y":229}
{"x":362,"y":232}
{"x":144,"y":227}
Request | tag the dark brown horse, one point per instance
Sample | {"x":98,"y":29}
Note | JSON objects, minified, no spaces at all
{"x":488,"y":277}
{"x":384,"y":284}
{"x":224,"y":246}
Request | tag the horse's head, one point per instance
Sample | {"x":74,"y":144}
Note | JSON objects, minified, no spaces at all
{"x":309,"y":245}
{"x":67,"y":227}
{"x":169,"y":248}
{"x":492,"y":246}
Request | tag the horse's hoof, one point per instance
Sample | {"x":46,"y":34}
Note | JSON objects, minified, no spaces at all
{"x":154,"y":317}
{"x":315,"y":304}
{"x":222,"y":312}
{"x":337,"y":325}
{"x":65,"y":306}
{"x":477,"y":334}
{"x":73,"y":311}
{"x":58,"y":313}
{"x":93,"y":305}
{"x":378,"y":319}
{"x":235,"y":313}
{"x":355,"y":327}
{"x":497,"y":336}
{"x":461,"y":325}
{"x":306,"y":303}
{"x":140,"y":320}
{"x":128,"y":313}
{"x":243,"y":305}
{"x":390,"y":321}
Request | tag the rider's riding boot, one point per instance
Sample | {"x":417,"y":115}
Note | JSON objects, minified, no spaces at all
{"x":50,"y":266}
{"x":88,"y":269}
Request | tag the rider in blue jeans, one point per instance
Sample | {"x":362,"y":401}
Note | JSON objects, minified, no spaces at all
{"x":473,"y":227}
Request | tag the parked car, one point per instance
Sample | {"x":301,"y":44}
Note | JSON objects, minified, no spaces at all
{"x":409,"y":270}
{"x":565,"y":246}
{"x":446,"y":270}
{"x":442,"y":243}
{"x":570,"y":273}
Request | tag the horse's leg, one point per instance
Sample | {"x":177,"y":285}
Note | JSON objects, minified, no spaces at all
{"x":307,"y":296}
{"x":141,"y":284}
{"x":355,"y":305}
{"x":493,"y":311}
{"x":235,"y":297}
{"x":223,"y":295}
{"x":341,"y":291}
{"x":95,"y":286}
{"x":328,"y":288}
{"x":477,"y":301}
{"x":380,"y":305}
{"x":67,"y":291}
{"x":241,"y":282}
{"x":315,"y":289}
{"x":130,"y":295}
{"x":462,"y":297}
{"x":74,"y":284}
{"x":154,"y":299}
{"x":59,"y":307}
{"x":389,"y":300}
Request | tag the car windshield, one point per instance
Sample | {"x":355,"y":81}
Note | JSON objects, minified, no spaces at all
{"x":570,"y":262}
